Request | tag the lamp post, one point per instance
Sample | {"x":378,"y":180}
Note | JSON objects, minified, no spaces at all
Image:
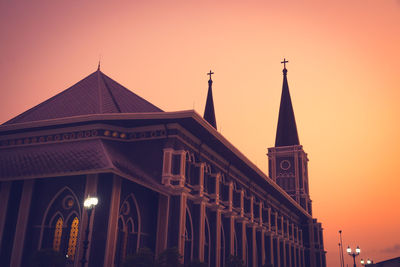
{"x":353,"y":254}
{"x":89,"y":205}
{"x":368,"y":262}
{"x":341,"y":250}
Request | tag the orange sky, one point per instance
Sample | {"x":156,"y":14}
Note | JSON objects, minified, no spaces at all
{"x":344,"y":63}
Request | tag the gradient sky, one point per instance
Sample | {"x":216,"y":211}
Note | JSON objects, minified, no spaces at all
{"x":343,"y":71}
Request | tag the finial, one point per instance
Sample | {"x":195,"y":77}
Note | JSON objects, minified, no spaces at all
{"x":210,"y":73}
{"x":98,"y":66}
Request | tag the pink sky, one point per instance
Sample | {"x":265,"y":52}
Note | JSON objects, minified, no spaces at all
{"x":344,"y":62}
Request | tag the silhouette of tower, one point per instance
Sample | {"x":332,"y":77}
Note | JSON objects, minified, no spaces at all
{"x":287,"y":160}
{"x":209,"y":112}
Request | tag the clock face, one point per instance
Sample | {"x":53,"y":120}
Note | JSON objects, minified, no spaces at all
{"x":285,"y":165}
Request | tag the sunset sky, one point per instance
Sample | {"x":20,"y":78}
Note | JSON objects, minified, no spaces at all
{"x":343,"y":72}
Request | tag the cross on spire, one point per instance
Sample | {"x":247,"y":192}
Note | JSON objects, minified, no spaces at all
{"x":210,"y":73}
{"x":284,"y":63}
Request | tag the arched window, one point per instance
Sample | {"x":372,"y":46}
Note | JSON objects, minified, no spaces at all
{"x":60,"y":224}
{"x":58,"y":234}
{"x":128,"y":229}
{"x":73,"y":236}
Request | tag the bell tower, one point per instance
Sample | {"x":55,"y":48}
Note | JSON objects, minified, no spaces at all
{"x":287,"y":160}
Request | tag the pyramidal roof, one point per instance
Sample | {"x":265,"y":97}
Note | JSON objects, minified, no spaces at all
{"x":209,"y":112}
{"x":95,"y":94}
{"x":286,"y":132}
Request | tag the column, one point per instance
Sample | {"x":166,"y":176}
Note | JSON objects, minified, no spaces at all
{"x":90,"y":190}
{"x":229,"y":227}
{"x":283,"y":252}
{"x":22,"y":222}
{"x":199,"y":210}
{"x":295,"y":263}
{"x":269,"y":248}
{"x":299,"y":264}
{"x":241,"y":236}
{"x":215,"y":230}
{"x":176,"y":231}
{"x":277,"y":252}
{"x":162,"y":223}
{"x":261,"y":247}
{"x":252,"y":246}
{"x":289,"y":253}
{"x":112,"y":230}
{"x":4,"y":196}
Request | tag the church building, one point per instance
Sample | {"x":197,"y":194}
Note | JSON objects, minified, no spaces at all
{"x":162,"y":180}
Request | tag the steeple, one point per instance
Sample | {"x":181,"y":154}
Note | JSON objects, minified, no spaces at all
{"x":286,"y":132}
{"x":209,"y":113}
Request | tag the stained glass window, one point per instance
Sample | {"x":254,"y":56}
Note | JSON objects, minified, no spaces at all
{"x":58,"y":234}
{"x":73,"y":236}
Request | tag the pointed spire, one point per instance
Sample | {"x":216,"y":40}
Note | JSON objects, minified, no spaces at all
{"x":98,"y":66}
{"x":209,"y":113}
{"x":286,"y":132}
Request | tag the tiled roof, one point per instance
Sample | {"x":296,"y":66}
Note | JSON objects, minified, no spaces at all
{"x":95,"y":94}
{"x":85,"y":156}
{"x":52,"y":159}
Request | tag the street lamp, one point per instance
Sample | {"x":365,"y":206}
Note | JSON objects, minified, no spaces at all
{"x":354,"y":254}
{"x":89,"y":204}
{"x":366,"y":262}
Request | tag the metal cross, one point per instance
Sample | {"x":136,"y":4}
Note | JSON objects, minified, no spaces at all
{"x":210,"y":73}
{"x":284,"y":63}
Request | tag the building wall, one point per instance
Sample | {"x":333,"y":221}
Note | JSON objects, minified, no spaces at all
{"x":179,"y":193}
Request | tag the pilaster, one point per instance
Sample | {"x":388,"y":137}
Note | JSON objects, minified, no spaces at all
{"x":22,"y":222}
{"x":269,"y":245}
{"x":162,"y":223}
{"x":4,"y":197}
{"x":262,"y":248}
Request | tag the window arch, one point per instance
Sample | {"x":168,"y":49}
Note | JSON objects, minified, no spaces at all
{"x":60,"y":224}
{"x":129,"y":229}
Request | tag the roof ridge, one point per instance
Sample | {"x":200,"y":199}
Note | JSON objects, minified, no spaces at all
{"x":99,"y":92}
{"x":129,"y":91}
{"x":106,"y":153}
{"x":110,"y":92}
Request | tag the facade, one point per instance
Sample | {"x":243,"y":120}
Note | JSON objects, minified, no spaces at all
{"x":163,"y":179}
